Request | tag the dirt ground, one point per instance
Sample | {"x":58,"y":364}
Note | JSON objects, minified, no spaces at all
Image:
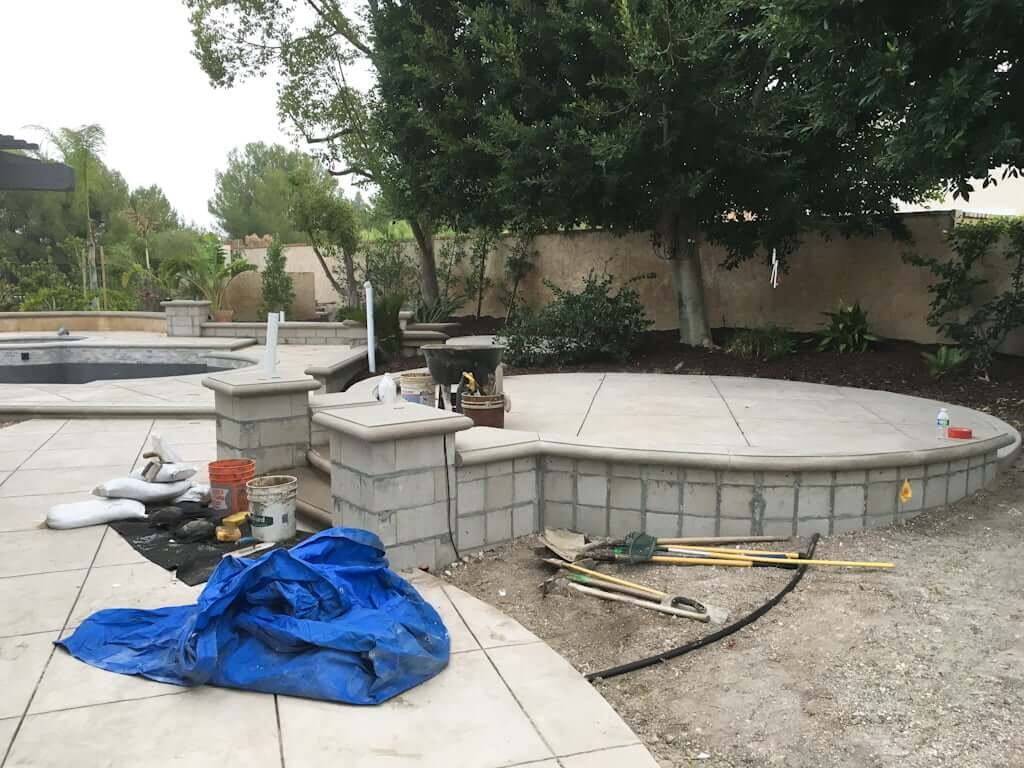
{"x":919,"y":666}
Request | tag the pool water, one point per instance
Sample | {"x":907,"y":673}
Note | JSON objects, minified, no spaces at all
{"x":83,"y":373}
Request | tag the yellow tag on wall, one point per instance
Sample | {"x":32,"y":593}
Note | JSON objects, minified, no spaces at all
{"x":906,"y":492}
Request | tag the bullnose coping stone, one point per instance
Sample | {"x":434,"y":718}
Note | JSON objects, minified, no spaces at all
{"x":379,"y":422}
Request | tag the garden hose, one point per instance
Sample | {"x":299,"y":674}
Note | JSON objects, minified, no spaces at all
{"x":750,"y":618}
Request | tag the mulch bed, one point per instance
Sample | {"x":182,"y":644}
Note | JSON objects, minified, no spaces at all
{"x":894,"y":366}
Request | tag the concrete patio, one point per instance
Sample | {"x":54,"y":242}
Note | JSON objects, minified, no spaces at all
{"x":506,"y":698}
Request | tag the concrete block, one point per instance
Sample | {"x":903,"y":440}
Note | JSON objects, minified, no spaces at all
{"x":882,"y":475}
{"x":558,"y":464}
{"x":736,"y":501}
{"x":499,"y":525}
{"x":813,"y":525}
{"x":498,"y":468}
{"x":729,"y":526}
{"x":732,"y":477}
{"x":440,"y":492}
{"x":229,"y":432}
{"x":815,"y":478}
{"x":592,"y":520}
{"x":977,"y":460}
{"x":386,"y":527}
{"x":422,"y":522}
{"x":663,"y":496}
{"x":699,"y":500}
{"x":910,"y":473}
{"x":623,"y":521}
{"x":410,"y":489}
{"x":558,"y":486}
{"x":851,"y":477}
{"x":525,"y":464}
{"x":275,"y":458}
{"x":935,"y":492}
{"x":592,"y":490}
{"x":814,"y":502}
{"x":957,"y":488}
{"x":847,"y":524}
{"x":779,"y":503}
{"x":401,"y":557}
{"x":525,"y":487}
{"x":349,"y":485}
{"x":938,"y":468}
{"x":701,"y":476}
{"x":626,"y":493}
{"x":368,"y":458}
{"x":975,"y":479}
{"x":557,"y":515}
{"x":524,"y":520}
{"x":591,"y":468}
{"x":225,"y":405}
{"x":471,"y":532}
{"x":627,"y":470}
{"x":779,"y":479}
{"x":700,"y":526}
{"x":916,"y":502}
{"x":991,"y":474}
{"x":471,"y":497}
{"x":498,"y":492}
{"x":663,"y":473}
{"x":263,"y":407}
{"x":289,"y":431}
{"x":419,"y":452}
{"x":778,"y":527}
{"x":958,"y":466}
{"x":348,"y":515}
{"x":883,"y":498}
{"x":468,"y":474}
{"x":663,"y":526}
{"x":849,"y":501}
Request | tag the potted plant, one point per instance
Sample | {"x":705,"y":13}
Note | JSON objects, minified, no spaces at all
{"x":205,"y":273}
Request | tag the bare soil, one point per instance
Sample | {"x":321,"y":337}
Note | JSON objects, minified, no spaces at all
{"x":921,"y":666}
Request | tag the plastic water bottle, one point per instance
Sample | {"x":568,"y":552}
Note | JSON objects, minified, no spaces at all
{"x":942,"y":425}
{"x":387,"y":390}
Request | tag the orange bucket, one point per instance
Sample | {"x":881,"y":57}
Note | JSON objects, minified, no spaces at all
{"x":227,"y":484}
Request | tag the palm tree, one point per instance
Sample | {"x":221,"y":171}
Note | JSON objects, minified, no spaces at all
{"x":149,"y":212}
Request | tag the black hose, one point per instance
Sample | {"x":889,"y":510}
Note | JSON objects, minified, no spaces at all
{"x":448,"y":495}
{"x":750,"y":618}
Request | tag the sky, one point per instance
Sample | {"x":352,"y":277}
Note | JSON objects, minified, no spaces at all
{"x":128,"y":65}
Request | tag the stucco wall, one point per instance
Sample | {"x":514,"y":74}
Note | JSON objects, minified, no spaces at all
{"x":245,"y":296}
{"x":300,"y":258}
{"x":14,"y":322}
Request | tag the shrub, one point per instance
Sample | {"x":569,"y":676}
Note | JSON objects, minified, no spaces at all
{"x":765,"y":344}
{"x":389,"y":268}
{"x":518,"y":265}
{"x":978,"y":326}
{"x":578,"y":327}
{"x":847,"y":330}
{"x":387,"y":326}
{"x":476,"y":280}
{"x":449,"y":300}
{"x":278,"y":287}
{"x":944,"y":361}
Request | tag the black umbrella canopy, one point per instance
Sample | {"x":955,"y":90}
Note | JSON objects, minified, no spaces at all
{"x":20,"y":172}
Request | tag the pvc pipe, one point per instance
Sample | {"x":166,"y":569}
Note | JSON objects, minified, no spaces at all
{"x":371,"y":343}
{"x":281,"y":314}
{"x":270,"y":356}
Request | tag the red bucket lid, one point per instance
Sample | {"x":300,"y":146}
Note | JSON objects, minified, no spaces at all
{"x":960,"y":433}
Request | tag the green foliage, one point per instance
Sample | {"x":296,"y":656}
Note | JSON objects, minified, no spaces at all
{"x":767,"y":343}
{"x":847,"y":330}
{"x":964,"y":307}
{"x":204,"y":272}
{"x":253,"y":194}
{"x":450,"y":299}
{"x":476,"y":281}
{"x":386,"y":321}
{"x":944,"y":361}
{"x":518,"y":265}
{"x":390,"y":269}
{"x":278,"y":289}
{"x":589,"y":325}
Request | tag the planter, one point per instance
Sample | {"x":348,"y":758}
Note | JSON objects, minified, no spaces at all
{"x":485,"y":410}
{"x":223,"y":315}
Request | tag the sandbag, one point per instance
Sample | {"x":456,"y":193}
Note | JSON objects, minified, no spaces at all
{"x":79,"y":514}
{"x":140,"y":490}
{"x":163,"y":449}
{"x":168,"y":473}
{"x":325,"y":620}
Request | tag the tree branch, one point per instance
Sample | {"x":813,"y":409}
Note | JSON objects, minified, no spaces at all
{"x":326,"y":139}
{"x":352,"y":171}
{"x":341,"y":25}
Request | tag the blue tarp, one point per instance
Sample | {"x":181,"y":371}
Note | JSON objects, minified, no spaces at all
{"x":326,"y":619}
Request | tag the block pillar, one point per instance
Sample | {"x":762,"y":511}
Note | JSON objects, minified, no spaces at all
{"x":184,"y":317}
{"x":260,"y":418}
{"x":392,"y":472}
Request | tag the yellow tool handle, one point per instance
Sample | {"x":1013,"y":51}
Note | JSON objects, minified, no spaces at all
{"x":733,"y":559}
{"x":741,"y":563}
{"x":726,"y":551}
{"x":605,"y":577}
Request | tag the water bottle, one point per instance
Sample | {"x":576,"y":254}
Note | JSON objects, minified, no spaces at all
{"x":387,"y":390}
{"x":942,"y":425}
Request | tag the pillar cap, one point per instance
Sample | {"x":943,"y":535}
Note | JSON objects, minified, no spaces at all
{"x":253,"y":382}
{"x":379,"y":422}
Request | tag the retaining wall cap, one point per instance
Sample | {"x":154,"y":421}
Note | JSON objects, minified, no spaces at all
{"x":185,"y":303}
{"x":252,"y":382}
{"x":356,"y":357}
{"x":378,"y":422}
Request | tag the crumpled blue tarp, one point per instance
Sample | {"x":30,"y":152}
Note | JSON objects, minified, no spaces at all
{"x":326,"y":619}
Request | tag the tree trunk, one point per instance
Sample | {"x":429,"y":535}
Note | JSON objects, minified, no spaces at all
{"x":349,"y":275}
{"x":677,"y":240}
{"x":350,"y":278}
{"x":103,"y":272}
{"x":424,"y":234}
{"x":146,"y":247}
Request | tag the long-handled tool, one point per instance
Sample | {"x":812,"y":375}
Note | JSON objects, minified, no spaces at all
{"x":588,"y":581}
{"x":664,"y":557}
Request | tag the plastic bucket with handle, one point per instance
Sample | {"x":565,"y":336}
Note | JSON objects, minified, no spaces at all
{"x":227,"y":484}
{"x":418,"y":387}
{"x":272,"y":507}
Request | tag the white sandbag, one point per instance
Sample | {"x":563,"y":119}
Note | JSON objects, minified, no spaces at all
{"x":197,"y":493}
{"x":140,"y":490}
{"x":168,"y":473}
{"x":164,"y":449}
{"x":78,"y":514}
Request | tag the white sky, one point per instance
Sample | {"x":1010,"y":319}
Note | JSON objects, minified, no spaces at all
{"x":128,"y":65}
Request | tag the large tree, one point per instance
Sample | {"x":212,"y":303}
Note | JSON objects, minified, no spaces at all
{"x":149,"y":211}
{"x":323,"y":52}
{"x":695,"y":120}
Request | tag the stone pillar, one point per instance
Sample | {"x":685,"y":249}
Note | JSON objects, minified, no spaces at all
{"x":389,"y":469}
{"x":185,"y":317}
{"x":262,"y":419}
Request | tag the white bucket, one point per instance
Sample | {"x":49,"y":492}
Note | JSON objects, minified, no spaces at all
{"x":272,"y":507}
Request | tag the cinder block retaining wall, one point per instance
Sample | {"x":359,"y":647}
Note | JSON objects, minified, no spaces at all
{"x":497,"y":501}
{"x":289,"y":333}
